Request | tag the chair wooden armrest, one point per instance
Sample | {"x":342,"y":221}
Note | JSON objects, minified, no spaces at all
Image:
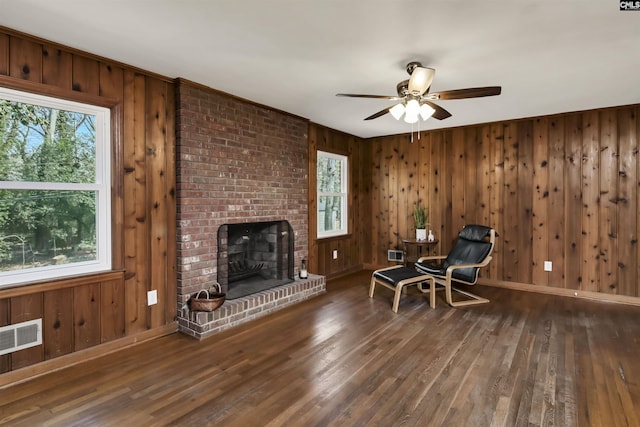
{"x":454,"y":267}
{"x":431,"y":258}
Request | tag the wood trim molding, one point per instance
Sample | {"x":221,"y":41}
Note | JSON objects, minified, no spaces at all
{"x":61,"y":284}
{"x":595,"y":296}
{"x":47,"y":366}
{"x":83,"y":53}
{"x":56,"y":92}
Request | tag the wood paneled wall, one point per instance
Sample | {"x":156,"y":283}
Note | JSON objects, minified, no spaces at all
{"x":561,"y":188}
{"x":353,"y":247}
{"x":84,"y":312}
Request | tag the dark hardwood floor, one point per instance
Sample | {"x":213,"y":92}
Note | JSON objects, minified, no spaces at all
{"x":343,"y":359}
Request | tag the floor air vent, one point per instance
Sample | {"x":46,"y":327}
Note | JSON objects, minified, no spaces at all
{"x":20,"y":336}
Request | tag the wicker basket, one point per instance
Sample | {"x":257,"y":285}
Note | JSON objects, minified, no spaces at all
{"x":207,"y":300}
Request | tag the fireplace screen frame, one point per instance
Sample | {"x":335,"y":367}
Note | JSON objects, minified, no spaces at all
{"x":283,"y":248}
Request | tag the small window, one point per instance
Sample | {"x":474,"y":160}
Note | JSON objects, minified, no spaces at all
{"x":332,"y":194}
{"x":55,"y":191}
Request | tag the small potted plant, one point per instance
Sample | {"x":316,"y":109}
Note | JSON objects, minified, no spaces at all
{"x":420,"y":217}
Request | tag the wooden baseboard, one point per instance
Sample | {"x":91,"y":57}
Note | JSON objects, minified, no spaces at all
{"x":596,"y":296}
{"x":29,"y":372}
{"x":346,"y":272}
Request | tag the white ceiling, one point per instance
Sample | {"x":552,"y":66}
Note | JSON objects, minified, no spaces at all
{"x":549,"y":56}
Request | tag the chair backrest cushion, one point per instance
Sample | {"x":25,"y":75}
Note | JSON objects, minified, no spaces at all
{"x":476,"y":233}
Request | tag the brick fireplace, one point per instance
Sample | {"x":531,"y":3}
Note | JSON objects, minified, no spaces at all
{"x":238,"y":163}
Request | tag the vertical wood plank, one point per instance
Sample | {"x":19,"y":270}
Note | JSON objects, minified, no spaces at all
{"x":376,"y":203}
{"x":556,"y":201}
{"x":22,"y":309}
{"x":590,"y":271}
{"x":86,"y":75}
{"x":485,"y":170}
{"x":573,"y":202}
{"x":472,"y":169}
{"x":25,"y":59}
{"x":366,"y":207}
{"x":393,"y":234}
{"x":608,"y":214}
{"x":171,"y":292}
{"x":136,"y":229}
{"x":157,"y":197}
{"x":111,"y":80}
{"x":525,"y":198}
{"x":436,"y":206}
{"x":628,"y":202}
{"x":511,"y":225}
{"x":112,"y":309}
{"x":540,"y":226}
{"x":4,"y":54}
{"x":424,"y":185}
{"x":496,"y":209}
{"x":406,"y":170}
{"x":450,"y":228}
{"x":86,"y":316}
{"x":56,"y":67}
{"x":57,"y":323}
{"x":357,"y":188}
{"x":417,"y":178}
{"x":458,"y":176}
{"x":385,"y":189}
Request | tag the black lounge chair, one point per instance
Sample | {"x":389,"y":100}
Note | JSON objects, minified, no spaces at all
{"x":471,"y":252}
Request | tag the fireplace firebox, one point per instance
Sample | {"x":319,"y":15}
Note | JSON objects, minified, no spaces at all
{"x":253,"y":257}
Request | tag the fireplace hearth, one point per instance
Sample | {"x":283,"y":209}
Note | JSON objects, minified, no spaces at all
{"x":253,"y":257}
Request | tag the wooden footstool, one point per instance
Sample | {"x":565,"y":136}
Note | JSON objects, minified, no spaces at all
{"x":397,"y":278}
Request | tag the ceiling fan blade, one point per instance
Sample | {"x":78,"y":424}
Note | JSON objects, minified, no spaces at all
{"x":379,"y":113}
{"x":420,"y":80}
{"x":474,"y":92}
{"x":355,"y":95}
{"x":440,"y":112}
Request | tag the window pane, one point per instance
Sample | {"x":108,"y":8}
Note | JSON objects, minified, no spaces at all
{"x":329,"y":175}
{"x":43,"y":144}
{"x":46,"y":227}
{"x":329,"y":213}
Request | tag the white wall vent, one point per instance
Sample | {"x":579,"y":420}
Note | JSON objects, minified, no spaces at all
{"x":20,"y":336}
{"x":395,"y":255}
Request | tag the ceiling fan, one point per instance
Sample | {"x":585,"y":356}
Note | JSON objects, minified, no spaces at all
{"x":415,"y":99}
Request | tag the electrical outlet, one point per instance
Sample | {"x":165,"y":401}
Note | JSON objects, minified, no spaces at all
{"x":335,"y":254}
{"x":152,"y":297}
{"x":548,"y":266}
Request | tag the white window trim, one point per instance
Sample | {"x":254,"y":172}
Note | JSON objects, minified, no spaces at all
{"x":102,"y":186}
{"x":344,"y":195}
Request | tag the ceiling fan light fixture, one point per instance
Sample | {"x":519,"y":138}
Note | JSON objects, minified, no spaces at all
{"x":412,"y":108}
{"x":397,"y":111}
{"x":410,"y":118}
{"x":420,"y":80}
{"x":426,"y":111}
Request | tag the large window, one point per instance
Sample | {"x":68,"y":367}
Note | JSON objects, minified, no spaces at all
{"x":55,"y":212}
{"x":332,"y":194}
